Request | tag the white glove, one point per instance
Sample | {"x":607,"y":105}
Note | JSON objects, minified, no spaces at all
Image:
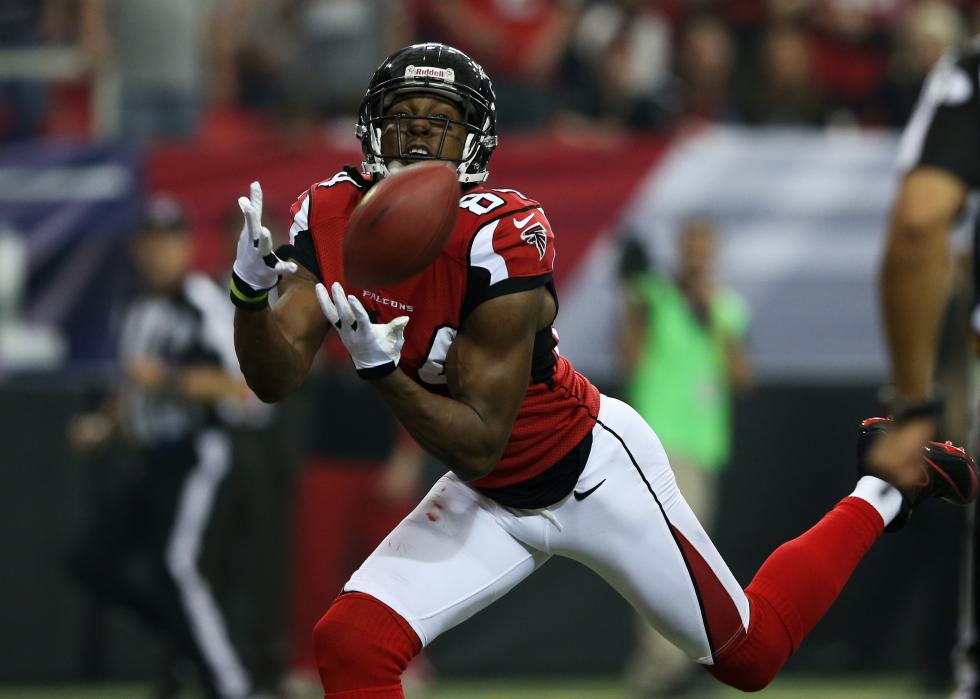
{"x":375,"y":348}
{"x":255,"y":263}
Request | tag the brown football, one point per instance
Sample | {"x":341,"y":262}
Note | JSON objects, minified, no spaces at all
{"x":401,"y":225}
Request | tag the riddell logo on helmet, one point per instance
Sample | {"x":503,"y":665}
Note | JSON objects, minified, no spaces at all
{"x":420,"y":72}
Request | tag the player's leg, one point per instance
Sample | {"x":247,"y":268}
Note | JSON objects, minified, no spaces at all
{"x":637,"y":531}
{"x":965,"y":653}
{"x":450,"y":558}
{"x":657,"y":666}
{"x":187,"y":480}
{"x":118,"y":532}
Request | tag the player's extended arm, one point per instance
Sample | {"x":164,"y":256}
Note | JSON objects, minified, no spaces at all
{"x":205,"y":383}
{"x":276,"y":345}
{"x":488,"y":368}
{"x":209,"y":384}
{"x":915,"y":275}
{"x":915,"y":282}
{"x":739,"y":366}
{"x":633,"y":330}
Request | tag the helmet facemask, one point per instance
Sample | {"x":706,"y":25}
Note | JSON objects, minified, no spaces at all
{"x":373,"y":124}
{"x":437,"y":71}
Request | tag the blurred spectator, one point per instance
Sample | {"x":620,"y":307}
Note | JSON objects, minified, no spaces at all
{"x":265,"y":50}
{"x":161,"y":53}
{"x":339,"y":39}
{"x":706,"y":61}
{"x":683,"y":355}
{"x":519,"y":42}
{"x":785,"y":91}
{"x":307,"y":56}
{"x":24,"y":24}
{"x":928,"y":30}
{"x":178,"y":369}
{"x":619,"y":64}
{"x":850,"y":45}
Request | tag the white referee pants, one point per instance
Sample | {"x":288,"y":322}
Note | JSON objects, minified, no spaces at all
{"x":459,"y":551}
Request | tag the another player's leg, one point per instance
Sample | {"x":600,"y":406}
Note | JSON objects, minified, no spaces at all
{"x":118,"y":532}
{"x":187,"y":482}
{"x":450,"y":558}
{"x":965,"y":655}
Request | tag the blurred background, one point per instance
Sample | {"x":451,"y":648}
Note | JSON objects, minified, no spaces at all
{"x":773,"y":122}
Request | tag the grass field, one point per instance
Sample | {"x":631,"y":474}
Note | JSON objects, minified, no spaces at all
{"x":789,"y":688}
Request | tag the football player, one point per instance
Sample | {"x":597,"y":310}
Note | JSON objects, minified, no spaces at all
{"x":540,"y":463}
{"x":940,"y":158}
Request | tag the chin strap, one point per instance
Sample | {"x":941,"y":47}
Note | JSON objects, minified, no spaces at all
{"x":382,"y":169}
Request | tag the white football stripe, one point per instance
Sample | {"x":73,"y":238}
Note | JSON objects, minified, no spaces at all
{"x":300,"y":220}
{"x":483,"y":255}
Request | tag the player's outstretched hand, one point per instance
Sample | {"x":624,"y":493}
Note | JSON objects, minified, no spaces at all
{"x":899,"y":451}
{"x":257,"y":268}
{"x":89,"y":431}
{"x":375,"y":347}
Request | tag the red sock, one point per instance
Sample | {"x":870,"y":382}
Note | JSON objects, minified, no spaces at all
{"x":362,"y":647}
{"x":794,"y":588}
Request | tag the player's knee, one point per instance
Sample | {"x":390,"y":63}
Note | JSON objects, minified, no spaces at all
{"x":756,"y":658}
{"x":753,"y":678}
{"x":748,"y":667}
{"x":337,"y":644}
{"x":361,"y":644}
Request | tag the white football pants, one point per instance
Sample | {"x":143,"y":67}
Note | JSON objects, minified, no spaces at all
{"x":458,"y":551}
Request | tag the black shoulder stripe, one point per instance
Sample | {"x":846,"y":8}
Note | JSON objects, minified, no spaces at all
{"x":304,"y":252}
{"x":478,"y":289}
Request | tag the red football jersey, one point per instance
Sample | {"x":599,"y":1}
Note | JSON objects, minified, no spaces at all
{"x":502,"y":243}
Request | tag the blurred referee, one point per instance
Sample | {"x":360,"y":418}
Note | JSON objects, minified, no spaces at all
{"x":940,"y":160}
{"x":178,"y":366}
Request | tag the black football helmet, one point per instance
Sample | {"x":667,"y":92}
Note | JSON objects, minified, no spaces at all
{"x":433,"y":69}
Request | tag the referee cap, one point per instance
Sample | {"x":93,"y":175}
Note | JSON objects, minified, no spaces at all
{"x":163,"y":213}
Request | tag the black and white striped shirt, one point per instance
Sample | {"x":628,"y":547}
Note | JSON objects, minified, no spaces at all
{"x":944,"y":131}
{"x":190,"y":328}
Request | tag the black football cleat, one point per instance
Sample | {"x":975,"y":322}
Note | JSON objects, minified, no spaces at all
{"x":948,"y":472}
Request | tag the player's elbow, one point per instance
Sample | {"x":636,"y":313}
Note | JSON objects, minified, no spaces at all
{"x":268,"y":396}
{"x":478,"y":460}
{"x":267,"y":391}
{"x":915,"y":230}
{"x":471,"y":470}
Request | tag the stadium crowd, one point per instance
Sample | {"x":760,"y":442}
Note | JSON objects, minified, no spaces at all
{"x":184,"y":66}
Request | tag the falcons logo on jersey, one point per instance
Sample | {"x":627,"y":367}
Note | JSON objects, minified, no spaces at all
{"x":538,"y":237}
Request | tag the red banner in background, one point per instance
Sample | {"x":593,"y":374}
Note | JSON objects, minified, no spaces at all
{"x":582,"y":183}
